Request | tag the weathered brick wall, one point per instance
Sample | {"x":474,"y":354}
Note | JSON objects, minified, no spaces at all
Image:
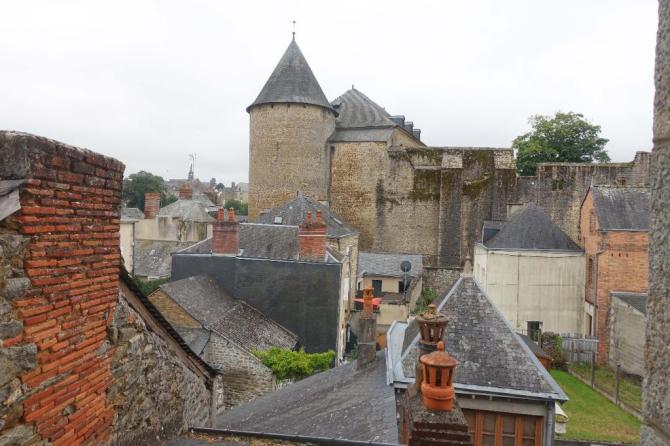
{"x":69,"y":214}
{"x":245,"y":376}
{"x":656,"y":404}
{"x":287,"y":153}
{"x":155,"y":396}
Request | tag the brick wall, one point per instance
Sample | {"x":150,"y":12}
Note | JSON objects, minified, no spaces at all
{"x":245,"y":376}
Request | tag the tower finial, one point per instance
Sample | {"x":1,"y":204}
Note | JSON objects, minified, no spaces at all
{"x":294,"y":30}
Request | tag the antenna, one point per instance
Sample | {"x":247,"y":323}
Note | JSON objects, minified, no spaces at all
{"x":294,"y":30}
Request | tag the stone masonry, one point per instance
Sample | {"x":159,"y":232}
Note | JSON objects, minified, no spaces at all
{"x":656,"y":397}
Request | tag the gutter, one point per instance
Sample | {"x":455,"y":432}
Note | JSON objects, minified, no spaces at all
{"x":287,"y":437}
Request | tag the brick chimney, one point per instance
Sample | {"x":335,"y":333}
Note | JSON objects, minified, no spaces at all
{"x":367,"y":332}
{"x":226,"y":234}
{"x":312,"y":239}
{"x":186,"y":191}
{"x":152,"y":204}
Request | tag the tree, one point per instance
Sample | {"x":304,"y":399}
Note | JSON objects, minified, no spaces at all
{"x":565,"y":137}
{"x":241,"y":208}
{"x":137,"y":184}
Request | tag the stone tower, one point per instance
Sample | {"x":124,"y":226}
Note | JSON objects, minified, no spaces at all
{"x":290,"y":123}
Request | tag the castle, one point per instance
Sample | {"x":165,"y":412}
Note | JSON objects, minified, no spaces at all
{"x":372,"y":170}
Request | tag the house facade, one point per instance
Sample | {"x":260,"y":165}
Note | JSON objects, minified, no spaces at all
{"x":614,"y":232}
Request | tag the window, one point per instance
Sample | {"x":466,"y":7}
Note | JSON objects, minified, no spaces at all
{"x":589,"y":272}
{"x":592,"y":221}
{"x":401,"y":286}
{"x":502,"y":429}
{"x":377,"y":287}
{"x":534,"y":329}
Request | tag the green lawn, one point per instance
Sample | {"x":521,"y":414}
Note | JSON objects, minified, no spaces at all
{"x":630,"y":390}
{"x":592,"y":416}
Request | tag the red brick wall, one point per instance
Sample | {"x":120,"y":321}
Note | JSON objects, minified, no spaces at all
{"x":226,"y":237}
{"x":69,"y":210}
{"x":312,"y":239}
{"x":152,"y":204}
{"x":620,"y":263}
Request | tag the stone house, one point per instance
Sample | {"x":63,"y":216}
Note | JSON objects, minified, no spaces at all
{"x":84,"y":356}
{"x":225,"y":332}
{"x":498,"y":380}
{"x":614,"y":232}
{"x":533,"y":272}
{"x":287,"y":272}
{"x":627,"y":322}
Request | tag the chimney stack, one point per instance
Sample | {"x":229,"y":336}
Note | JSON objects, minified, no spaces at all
{"x":312,"y":239}
{"x":226,"y":234}
{"x":367,"y":332}
{"x":152,"y":204}
{"x":186,"y":191}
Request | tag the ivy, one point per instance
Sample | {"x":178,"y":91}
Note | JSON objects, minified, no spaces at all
{"x":291,"y":364}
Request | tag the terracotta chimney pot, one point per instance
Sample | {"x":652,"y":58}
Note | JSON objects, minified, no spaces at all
{"x":438,"y":379}
{"x":432,"y":324}
{"x":367,"y":302}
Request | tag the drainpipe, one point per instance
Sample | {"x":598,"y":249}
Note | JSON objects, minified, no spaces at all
{"x":549,"y":424}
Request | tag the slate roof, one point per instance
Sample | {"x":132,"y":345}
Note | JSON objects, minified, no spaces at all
{"x":206,"y":301}
{"x":292,"y":81}
{"x":635,"y":300}
{"x":152,"y":258}
{"x":295,"y":213}
{"x":492,"y":358}
{"x":533,"y":346}
{"x":188,"y":210}
{"x":131,"y":214}
{"x":357,"y":110}
{"x":531,"y":229}
{"x":624,"y":208}
{"x":388,"y":264}
{"x":196,"y":338}
{"x":340,"y":403}
{"x":490,"y":228}
{"x":279,"y":242}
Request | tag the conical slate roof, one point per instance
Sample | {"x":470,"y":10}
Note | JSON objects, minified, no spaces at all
{"x":531,"y":229}
{"x":292,"y":81}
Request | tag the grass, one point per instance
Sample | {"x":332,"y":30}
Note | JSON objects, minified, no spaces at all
{"x":592,"y":416}
{"x":630,"y":390}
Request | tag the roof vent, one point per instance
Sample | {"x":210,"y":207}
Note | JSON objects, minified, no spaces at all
{"x":398,"y":120}
{"x":409,"y":126}
{"x":417,"y":134}
{"x":278,"y":220}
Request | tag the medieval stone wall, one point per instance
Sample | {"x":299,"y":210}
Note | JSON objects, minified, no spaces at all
{"x":245,"y":376}
{"x":656,"y":401}
{"x":287,"y":154}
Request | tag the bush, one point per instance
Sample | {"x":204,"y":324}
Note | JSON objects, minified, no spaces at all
{"x":291,"y":364}
{"x":148,"y":286}
{"x":552,"y":343}
{"x":427,"y":298}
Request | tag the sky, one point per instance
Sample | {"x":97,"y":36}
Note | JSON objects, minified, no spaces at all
{"x":149,"y":82}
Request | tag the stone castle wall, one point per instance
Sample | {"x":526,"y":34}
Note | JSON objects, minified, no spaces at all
{"x":59,"y":292}
{"x":287,"y":154}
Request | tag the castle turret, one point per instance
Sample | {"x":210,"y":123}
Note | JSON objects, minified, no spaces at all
{"x":290,"y":123}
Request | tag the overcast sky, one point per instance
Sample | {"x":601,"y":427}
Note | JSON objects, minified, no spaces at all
{"x":150,"y":82}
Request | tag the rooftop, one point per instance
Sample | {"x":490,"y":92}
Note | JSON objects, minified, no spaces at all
{"x":152,"y":258}
{"x":340,"y":403}
{"x":621,"y":208}
{"x":188,"y":210}
{"x":492,"y":358}
{"x":292,"y":81}
{"x":635,"y":300}
{"x":531,"y":229}
{"x":388,"y":264}
{"x":295,"y":211}
{"x":131,"y":214}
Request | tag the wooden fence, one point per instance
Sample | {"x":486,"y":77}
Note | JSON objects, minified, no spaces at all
{"x":579,"y":348}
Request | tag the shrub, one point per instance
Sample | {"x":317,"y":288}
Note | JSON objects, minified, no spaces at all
{"x":552,"y":343}
{"x":291,"y":364}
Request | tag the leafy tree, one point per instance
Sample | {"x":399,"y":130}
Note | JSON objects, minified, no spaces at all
{"x":565,"y":137}
{"x":291,"y":364}
{"x":241,"y":208}
{"x":137,"y":184}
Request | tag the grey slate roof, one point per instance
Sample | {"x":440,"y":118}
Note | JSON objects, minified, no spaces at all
{"x":206,"y":301}
{"x":153,"y":258}
{"x":279,"y":242}
{"x":196,"y":338}
{"x":625,"y":208}
{"x":492,"y":358}
{"x":635,"y":300}
{"x":292,"y":81}
{"x":341,"y":403}
{"x":131,"y":214}
{"x":188,"y":210}
{"x":531,"y":229}
{"x":490,"y":228}
{"x":295,"y":213}
{"x":388,"y":264}
{"x":357,"y":110}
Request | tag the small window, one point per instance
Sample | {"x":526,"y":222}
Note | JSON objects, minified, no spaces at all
{"x":377,"y":287}
{"x":401,"y":286}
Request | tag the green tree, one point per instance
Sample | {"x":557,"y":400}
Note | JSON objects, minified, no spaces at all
{"x":241,"y":208}
{"x":137,"y":184}
{"x":565,"y":137}
{"x":291,"y":364}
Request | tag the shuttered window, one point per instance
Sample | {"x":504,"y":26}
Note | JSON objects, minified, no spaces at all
{"x":501,"y":429}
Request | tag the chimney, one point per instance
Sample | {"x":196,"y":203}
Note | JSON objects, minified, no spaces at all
{"x":226,"y":234}
{"x":398,"y":120}
{"x":186,"y":191}
{"x":431,"y":324}
{"x":312,"y":239}
{"x":438,"y":379}
{"x":152,"y":204}
{"x":417,"y":134}
{"x":367,"y":332}
{"x":409,"y":126}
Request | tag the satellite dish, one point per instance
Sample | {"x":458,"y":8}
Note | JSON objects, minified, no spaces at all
{"x":405,"y":266}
